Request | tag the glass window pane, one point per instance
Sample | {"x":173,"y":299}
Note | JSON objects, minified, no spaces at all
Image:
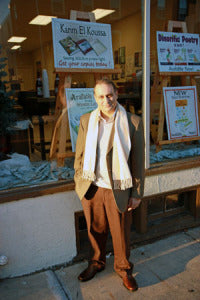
{"x":28,"y":127}
{"x":172,"y":129}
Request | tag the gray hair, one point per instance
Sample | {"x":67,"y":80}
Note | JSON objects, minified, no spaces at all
{"x":105,"y":81}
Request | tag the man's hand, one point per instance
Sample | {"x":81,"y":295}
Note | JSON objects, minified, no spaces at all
{"x":133,"y":203}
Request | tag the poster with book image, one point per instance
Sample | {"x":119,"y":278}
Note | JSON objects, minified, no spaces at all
{"x":178,"y":52}
{"x":78,"y":44}
{"x":79,"y":101}
{"x":181,"y":110}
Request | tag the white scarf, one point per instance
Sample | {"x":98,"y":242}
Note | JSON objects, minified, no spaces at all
{"x":121,"y":148}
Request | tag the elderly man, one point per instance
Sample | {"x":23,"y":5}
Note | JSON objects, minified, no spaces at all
{"x":109,"y":179}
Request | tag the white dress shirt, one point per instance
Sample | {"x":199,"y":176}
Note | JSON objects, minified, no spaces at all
{"x":101,"y":171}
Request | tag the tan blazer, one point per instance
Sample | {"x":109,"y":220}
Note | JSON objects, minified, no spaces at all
{"x":136,"y":161}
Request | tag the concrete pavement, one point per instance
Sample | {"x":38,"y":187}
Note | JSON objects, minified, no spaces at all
{"x":166,"y":269}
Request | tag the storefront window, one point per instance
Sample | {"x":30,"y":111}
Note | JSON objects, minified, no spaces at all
{"x":28,"y":109}
{"x":174,"y":59}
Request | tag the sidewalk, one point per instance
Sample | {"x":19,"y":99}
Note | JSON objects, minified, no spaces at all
{"x":166,"y":269}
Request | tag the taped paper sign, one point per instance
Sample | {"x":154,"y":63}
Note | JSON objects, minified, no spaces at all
{"x":79,"y":101}
{"x":82,"y":44}
{"x":178,"y":52}
{"x":181,"y":111}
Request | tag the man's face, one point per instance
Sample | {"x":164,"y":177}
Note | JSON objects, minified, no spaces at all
{"x":106,"y":98}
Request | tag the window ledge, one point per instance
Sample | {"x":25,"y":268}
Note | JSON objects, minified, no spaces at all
{"x":173,"y":166}
{"x":35,"y":191}
{"x":66,"y":185}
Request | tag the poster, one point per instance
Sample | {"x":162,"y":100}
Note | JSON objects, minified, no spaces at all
{"x":181,"y":111}
{"x":79,"y":102}
{"x":78,"y":44}
{"x":178,"y":52}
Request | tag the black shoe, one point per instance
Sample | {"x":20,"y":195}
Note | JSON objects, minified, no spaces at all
{"x":91,"y":271}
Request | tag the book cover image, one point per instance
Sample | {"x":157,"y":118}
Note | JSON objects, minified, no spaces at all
{"x":193,"y":56}
{"x":84,"y":46}
{"x":72,"y":46}
{"x":165,"y":56}
{"x":69,"y":45}
{"x":98,"y":47}
{"x":180,"y":56}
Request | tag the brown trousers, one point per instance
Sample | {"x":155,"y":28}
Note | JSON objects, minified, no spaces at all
{"x":101,"y":213}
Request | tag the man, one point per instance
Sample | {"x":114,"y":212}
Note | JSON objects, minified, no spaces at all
{"x":109,"y":179}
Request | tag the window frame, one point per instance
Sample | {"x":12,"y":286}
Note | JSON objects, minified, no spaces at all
{"x":146,"y":4}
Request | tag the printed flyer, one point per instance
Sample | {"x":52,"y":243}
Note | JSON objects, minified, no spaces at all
{"x":181,"y":110}
{"x":178,"y":52}
{"x":79,"y":102}
{"x":79,"y":44}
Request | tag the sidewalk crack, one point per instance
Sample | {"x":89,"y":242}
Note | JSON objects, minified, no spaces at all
{"x":61,"y":292}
